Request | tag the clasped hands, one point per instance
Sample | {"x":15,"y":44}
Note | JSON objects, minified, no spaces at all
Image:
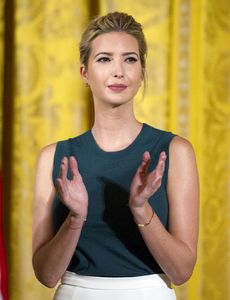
{"x":74,"y":195}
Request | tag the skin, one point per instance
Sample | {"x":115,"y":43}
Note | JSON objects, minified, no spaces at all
{"x":115,"y":59}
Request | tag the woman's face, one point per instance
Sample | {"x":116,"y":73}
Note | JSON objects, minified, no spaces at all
{"x":114,"y":71}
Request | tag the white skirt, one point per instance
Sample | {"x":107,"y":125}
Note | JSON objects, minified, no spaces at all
{"x":149,"y":287}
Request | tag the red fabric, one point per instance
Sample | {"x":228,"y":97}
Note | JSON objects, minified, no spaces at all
{"x":3,"y":268}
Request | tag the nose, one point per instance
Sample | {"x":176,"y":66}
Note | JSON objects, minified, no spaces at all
{"x":119,"y":76}
{"x":118,"y":71}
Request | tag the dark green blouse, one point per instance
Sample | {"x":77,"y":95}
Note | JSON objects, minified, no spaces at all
{"x":110,"y":243}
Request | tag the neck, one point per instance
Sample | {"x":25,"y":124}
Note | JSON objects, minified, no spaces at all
{"x":115,"y":127}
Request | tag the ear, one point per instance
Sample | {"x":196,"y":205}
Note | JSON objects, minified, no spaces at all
{"x":84,"y":74}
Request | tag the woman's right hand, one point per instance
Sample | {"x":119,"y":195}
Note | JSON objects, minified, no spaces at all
{"x":72,"y":192}
{"x":49,"y":260}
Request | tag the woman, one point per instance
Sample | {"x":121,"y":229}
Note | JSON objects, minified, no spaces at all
{"x":124,"y":222}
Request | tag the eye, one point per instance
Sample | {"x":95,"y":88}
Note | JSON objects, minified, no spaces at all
{"x":131,"y":59}
{"x":103,"y":59}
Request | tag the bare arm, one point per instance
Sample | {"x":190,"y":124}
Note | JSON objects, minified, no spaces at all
{"x":174,"y":250}
{"x":52,"y":253}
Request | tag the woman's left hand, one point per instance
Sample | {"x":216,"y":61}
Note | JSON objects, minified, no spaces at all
{"x":145,"y":184}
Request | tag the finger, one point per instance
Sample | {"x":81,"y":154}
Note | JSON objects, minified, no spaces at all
{"x":59,"y":184}
{"x":59,"y":187}
{"x":145,"y":162}
{"x":155,"y":177}
{"x":63,"y":168}
{"x":74,"y":167}
{"x":153,"y":183}
{"x":146,"y":156}
{"x":161,"y":164}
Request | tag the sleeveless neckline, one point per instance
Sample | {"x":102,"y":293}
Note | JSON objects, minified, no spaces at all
{"x":115,"y":154}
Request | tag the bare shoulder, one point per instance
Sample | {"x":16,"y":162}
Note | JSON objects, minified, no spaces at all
{"x":181,"y":149}
{"x":46,"y":156}
{"x":44,"y":187}
{"x":47,"y":152}
{"x":182,"y":160}
{"x":179,"y":143}
{"x":43,"y":175}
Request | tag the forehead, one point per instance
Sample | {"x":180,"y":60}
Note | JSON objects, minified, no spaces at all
{"x":115,"y":41}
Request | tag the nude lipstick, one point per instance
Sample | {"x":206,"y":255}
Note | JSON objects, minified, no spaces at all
{"x":117,"y":87}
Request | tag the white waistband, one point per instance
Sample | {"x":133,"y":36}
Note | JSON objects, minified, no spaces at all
{"x":94,"y":282}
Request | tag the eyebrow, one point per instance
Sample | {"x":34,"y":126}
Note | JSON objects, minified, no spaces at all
{"x":111,"y":54}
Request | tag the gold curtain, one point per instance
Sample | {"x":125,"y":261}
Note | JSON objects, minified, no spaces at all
{"x":188,"y":93}
{"x":49,"y":103}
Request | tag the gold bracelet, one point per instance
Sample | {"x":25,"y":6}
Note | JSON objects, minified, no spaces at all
{"x":146,"y":224}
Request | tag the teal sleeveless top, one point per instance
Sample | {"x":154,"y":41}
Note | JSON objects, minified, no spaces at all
{"x":110,"y":243}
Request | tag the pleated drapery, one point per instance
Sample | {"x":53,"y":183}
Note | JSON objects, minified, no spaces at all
{"x":44,"y":100}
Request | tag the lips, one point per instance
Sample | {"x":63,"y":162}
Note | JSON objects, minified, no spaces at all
{"x":117,"y":87}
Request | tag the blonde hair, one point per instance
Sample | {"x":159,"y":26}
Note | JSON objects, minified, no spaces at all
{"x":112,"y":22}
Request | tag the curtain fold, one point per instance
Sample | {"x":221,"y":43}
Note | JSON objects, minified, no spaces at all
{"x":188,"y":92}
{"x":49,"y":102}
{"x":210,"y":131}
{"x":3,"y":264}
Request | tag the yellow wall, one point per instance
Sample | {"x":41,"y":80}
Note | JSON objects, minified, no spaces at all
{"x":188,"y":93}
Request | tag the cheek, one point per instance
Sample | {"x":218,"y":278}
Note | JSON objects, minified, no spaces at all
{"x":96,"y":81}
{"x":135,"y":74}
{"x":98,"y":75}
{"x":138,"y":77}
